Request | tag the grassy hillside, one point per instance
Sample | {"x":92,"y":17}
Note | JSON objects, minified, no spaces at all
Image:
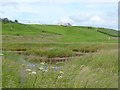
{"x":49,"y":56}
{"x":57,"y":33}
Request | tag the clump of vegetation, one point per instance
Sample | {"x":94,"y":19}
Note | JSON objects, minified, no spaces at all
{"x":51,"y":52}
{"x":6,"y":20}
{"x":90,"y":27}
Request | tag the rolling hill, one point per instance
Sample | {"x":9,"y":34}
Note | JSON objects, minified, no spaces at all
{"x":61,"y":33}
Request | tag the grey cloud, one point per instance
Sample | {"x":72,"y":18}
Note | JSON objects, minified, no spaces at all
{"x":80,"y":18}
{"x":4,"y":4}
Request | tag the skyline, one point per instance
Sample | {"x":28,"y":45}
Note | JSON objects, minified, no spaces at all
{"x":98,"y":14}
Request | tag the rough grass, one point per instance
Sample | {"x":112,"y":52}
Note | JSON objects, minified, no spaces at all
{"x":98,"y":68}
{"x":51,"y":52}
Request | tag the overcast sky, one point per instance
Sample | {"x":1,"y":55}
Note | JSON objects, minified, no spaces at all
{"x":100,"y":13}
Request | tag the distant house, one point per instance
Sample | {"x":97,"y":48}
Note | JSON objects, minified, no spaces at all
{"x":65,"y":24}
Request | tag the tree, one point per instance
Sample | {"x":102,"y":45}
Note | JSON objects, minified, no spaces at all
{"x":11,"y":21}
{"x":16,"y":21}
{"x":5,"y":20}
{"x":0,"y":18}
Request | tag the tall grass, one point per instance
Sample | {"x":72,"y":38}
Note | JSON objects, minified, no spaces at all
{"x":94,"y":70}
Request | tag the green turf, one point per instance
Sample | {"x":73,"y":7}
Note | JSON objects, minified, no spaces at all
{"x":57,"y":33}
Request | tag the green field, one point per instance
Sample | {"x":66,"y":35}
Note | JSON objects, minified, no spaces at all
{"x":51,"y":56}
